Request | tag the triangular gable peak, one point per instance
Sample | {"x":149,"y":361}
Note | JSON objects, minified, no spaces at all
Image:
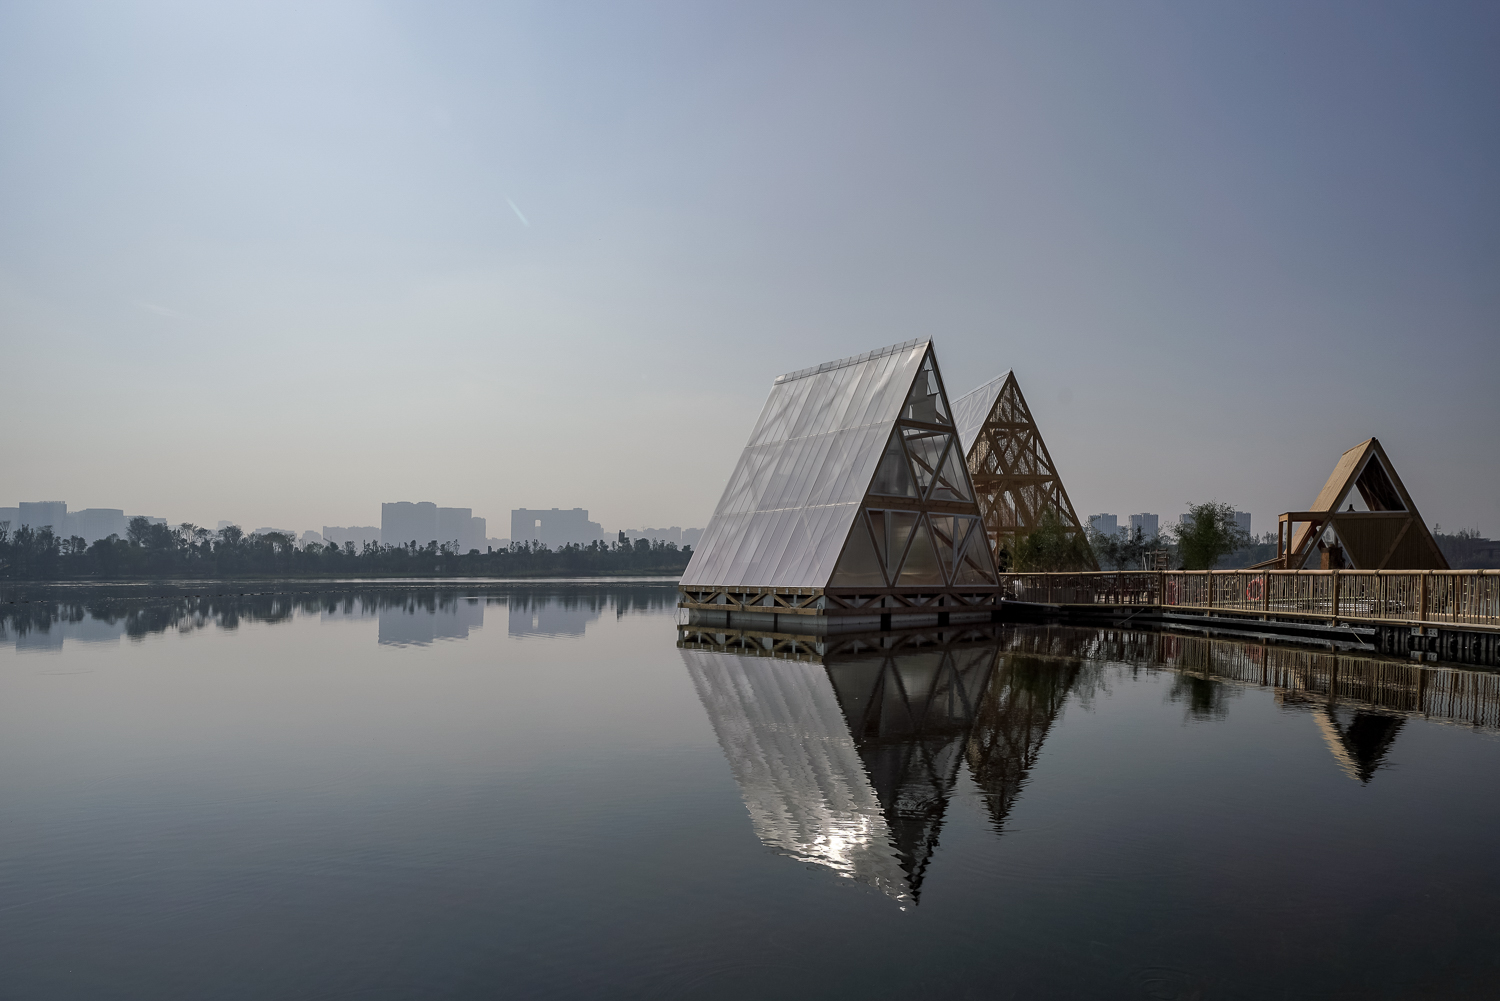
{"x":1015,"y":480}
{"x":852,"y":478}
{"x":918,"y":524}
{"x":1366,"y":509}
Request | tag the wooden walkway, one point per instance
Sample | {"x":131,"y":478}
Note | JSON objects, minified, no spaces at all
{"x":1437,"y":614}
{"x":1414,"y":597}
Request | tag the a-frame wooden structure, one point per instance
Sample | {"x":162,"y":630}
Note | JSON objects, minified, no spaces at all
{"x":1015,"y":480}
{"x":1388,"y":534}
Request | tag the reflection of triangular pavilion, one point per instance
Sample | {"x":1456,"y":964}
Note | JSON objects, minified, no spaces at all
{"x":909,"y":715}
{"x":1018,"y":709}
{"x":1360,"y":740}
{"x":1014,"y":478}
{"x":1388,"y":534}
{"x":854,"y":480}
{"x":846,"y":758}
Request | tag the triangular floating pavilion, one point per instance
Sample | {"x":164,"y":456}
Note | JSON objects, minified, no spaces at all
{"x":850,"y":507}
{"x":1015,"y":480}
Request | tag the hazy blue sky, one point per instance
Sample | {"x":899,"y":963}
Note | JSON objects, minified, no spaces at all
{"x":278,"y":263}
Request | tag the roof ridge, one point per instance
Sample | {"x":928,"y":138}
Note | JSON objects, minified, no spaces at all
{"x":829,"y":366}
{"x":985,"y":385}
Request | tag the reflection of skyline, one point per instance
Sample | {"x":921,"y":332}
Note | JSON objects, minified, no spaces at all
{"x":415,"y":622}
{"x":404,"y":615}
{"x":554,"y":615}
{"x":847,"y":755}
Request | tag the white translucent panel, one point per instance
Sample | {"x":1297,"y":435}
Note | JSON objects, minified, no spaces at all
{"x":943,"y":538}
{"x":859,"y":566}
{"x":953,"y":479}
{"x":892,"y":477}
{"x":922,"y":565}
{"x":878,"y":533}
{"x":926,"y":451}
{"x":899,"y":526}
{"x":797,"y":490}
{"x":973,"y":409}
{"x":975,"y":565}
{"x":924,"y":401}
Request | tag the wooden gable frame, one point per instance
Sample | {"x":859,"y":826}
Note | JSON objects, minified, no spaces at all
{"x":1390,"y":535}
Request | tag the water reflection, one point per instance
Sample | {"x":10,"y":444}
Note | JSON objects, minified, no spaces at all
{"x":405,"y":616}
{"x":554,"y":615}
{"x":848,"y":750}
{"x":1019,"y":707}
{"x":417,"y":619}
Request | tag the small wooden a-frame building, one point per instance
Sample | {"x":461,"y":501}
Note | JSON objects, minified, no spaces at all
{"x":1388,"y":534}
{"x":852,"y":502}
{"x":1015,"y":480}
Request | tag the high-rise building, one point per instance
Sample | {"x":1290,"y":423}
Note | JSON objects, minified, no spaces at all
{"x":403,"y":522}
{"x":554,"y":528}
{"x":44,"y":514}
{"x":458,"y":524}
{"x":1148,"y":524}
{"x":357,"y":534}
{"x":1105,"y":524}
{"x":423,"y":522}
{"x":1242,"y":519}
{"x":94,"y":523}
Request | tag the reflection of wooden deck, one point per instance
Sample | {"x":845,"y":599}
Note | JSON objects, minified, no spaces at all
{"x":1442,"y":694}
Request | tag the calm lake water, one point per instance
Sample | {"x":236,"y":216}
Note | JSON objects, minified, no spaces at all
{"x":551,"y":791}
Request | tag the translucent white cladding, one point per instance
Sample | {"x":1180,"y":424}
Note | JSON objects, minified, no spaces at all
{"x":792,"y":498}
{"x":796,"y":764}
{"x":972,"y":409}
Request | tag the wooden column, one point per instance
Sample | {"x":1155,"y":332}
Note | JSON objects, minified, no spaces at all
{"x":1334,"y":593}
{"x":1422,"y":597}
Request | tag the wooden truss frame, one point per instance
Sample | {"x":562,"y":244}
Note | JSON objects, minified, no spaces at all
{"x":1014,"y":477}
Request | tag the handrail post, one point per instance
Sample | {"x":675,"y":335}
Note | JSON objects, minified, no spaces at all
{"x":1422,"y":597}
{"x":1161,"y":587}
{"x":1265,"y":586}
{"x":1334,"y":594}
{"x":1208,"y":578}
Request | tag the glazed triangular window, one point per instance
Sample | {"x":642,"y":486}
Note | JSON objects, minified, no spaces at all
{"x":892,"y":477}
{"x":925,"y":402}
{"x":859,"y":564}
{"x":921,"y":565}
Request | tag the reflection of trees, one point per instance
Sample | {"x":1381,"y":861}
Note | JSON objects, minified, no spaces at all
{"x":187,"y":612}
{"x":909,"y":715}
{"x":1206,"y":698}
{"x":1019,"y":707}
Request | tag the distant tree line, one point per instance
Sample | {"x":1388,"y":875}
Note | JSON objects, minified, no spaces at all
{"x":160,"y":551}
{"x":1207,"y":538}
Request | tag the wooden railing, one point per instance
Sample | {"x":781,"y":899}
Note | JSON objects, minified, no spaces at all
{"x":1470,"y":597}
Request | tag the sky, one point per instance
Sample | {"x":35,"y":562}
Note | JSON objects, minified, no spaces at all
{"x":278,"y":263}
